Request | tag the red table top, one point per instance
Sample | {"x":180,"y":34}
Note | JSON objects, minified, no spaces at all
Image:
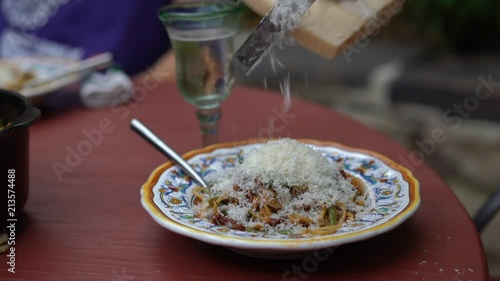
{"x":88,"y":223}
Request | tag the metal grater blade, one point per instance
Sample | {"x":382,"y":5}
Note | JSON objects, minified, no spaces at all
{"x":260,"y":42}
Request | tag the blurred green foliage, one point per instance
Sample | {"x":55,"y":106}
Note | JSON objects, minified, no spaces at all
{"x":460,"y":25}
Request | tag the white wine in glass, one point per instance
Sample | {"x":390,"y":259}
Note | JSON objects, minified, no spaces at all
{"x":202,"y":36}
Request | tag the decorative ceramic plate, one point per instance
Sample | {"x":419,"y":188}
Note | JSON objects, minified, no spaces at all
{"x":15,"y":72}
{"x":394,"y":192}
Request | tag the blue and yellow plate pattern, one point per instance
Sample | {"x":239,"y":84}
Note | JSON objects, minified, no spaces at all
{"x":167,"y":197}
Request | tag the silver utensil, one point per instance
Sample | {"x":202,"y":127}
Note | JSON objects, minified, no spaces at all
{"x":93,"y":63}
{"x":150,"y":137}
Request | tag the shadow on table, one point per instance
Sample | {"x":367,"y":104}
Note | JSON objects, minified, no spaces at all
{"x":360,"y":258}
{"x":58,"y":103}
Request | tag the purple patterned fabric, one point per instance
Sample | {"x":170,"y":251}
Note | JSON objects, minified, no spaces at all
{"x":130,"y":29}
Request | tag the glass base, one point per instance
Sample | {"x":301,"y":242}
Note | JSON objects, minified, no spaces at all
{"x":209,"y":124}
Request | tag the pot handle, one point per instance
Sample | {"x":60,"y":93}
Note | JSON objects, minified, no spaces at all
{"x":30,"y":116}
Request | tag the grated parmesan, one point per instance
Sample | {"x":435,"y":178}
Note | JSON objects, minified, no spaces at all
{"x":283,"y":164}
{"x":286,"y":17}
{"x":285,"y":91}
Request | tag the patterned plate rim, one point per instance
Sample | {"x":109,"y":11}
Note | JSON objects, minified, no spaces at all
{"x":314,"y":242}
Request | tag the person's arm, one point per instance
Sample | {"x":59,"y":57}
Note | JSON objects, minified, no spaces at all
{"x":165,"y":65}
{"x":164,"y":68}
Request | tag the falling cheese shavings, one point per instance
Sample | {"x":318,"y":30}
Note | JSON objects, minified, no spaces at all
{"x":286,"y":17}
{"x":285,"y":90}
{"x":287,"y":14}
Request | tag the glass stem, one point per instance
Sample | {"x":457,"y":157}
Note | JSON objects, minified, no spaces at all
{"x":209,"y":124}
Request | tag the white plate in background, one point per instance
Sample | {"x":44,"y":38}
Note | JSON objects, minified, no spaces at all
{"x":11,"y":70}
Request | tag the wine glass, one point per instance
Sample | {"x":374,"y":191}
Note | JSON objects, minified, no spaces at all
{"x":201,"y":34}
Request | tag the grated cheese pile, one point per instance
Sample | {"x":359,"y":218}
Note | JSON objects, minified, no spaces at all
{"x":281,"y":165}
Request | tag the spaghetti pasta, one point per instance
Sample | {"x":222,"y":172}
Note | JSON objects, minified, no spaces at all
{"x":283,"y":187}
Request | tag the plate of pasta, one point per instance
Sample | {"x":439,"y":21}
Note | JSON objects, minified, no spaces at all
{"x":16,"y":72}
{"x":282,"y":198}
